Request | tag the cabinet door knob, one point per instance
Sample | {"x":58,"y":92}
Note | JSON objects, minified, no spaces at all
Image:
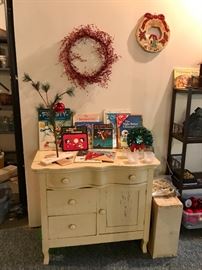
{"x":102,"y":212}
{"x":72,"y":226}
{"x":72,"y":202}
{"x":65,"y":181}
{"x":132,"y":177}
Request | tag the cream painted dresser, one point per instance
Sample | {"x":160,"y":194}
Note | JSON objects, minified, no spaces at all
{"x":87,"y":203}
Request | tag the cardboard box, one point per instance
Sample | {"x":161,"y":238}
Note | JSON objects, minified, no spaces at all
{"x":165,"y":226}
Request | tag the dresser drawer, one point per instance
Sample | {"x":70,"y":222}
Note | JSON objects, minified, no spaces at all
{"x":72,"y":226}
{"x":69,"y":180}
{"x":90,"y":177}
{"x":62,"y":202}
{"x":130,"y":176}
{"x":118,"y":175}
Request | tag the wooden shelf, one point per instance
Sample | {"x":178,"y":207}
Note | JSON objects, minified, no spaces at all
{"x":4,"y":69}
{"x":181,"y":132}
{"x":7,"y":132}
{"x":181,"y":138}
{"x":189,"y":90}
{"x":179,"y":183}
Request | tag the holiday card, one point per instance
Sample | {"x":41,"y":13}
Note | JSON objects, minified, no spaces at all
{"x":102,"y":136}
{"x":124,"y":124}
{"x":46,"y":135}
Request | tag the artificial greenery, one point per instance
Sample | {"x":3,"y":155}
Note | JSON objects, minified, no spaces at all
{"x":139,"y":137}
{"x":54,"y":105}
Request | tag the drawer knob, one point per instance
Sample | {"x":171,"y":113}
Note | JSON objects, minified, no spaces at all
{"x":132,"y":177}
{"x":102,"y":212}
{"x":72,"y":202}
{"x":72,"y":226}
{"x":65,"y":181}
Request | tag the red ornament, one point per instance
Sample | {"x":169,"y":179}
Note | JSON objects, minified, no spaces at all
{"x":59,"y":107}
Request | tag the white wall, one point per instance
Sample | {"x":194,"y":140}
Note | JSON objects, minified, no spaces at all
{"x":140,"y":81}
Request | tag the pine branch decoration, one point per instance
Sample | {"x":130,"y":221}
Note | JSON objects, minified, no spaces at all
{"x":54,"y":106}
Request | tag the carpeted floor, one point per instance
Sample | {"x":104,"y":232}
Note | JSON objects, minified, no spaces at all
{"x":21,"y":249}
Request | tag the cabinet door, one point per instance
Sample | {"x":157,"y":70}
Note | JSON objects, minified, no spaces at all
{"x":122,"y":208}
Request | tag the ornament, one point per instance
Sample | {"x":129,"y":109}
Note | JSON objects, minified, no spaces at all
{"x":153,"y":32}
{"x":59,"y":107}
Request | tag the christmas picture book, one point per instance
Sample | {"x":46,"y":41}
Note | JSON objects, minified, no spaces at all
{"x":125,"y":122}
{"x":46,"y":136}
{"x":102,"y":136}
{"x":110,"y":118}
{"x":95,"y":155}
{"x":89,"y":127}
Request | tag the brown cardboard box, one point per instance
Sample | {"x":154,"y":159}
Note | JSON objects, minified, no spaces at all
{"x":165,"y":226}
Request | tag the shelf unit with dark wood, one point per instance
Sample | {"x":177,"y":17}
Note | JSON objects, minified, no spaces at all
{"x":183,"y":178}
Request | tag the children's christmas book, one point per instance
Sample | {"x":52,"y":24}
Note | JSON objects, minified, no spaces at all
{"x":95,"y":155}
{"x":87,"y":117}
{"x":102,"y":136}
{"x":46,"y":136}
{"x":110,"y":118}
{"x":89,"y":126}
{"x":124,"y":124}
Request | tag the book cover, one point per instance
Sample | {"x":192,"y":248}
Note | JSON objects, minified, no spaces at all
{"x":102,"y":136}
{"x":89,"y":127}
{"x":124,"y":124}
{"x":87,"y":117}
{"x":46,"y":136}
{"x":74,"y":141}
{"x":104,"y":156}
{"x":183,"y":77}
{"x":81,"y":157}
{"x":95,"y":156}
{"x":73,"y":129}
{"x":110,"y":118}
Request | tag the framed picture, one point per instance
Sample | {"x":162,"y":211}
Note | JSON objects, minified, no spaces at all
{"x":74,"y":141}
{"x":46,"y":136}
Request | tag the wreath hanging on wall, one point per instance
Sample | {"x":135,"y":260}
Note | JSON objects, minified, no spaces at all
{"x":87,"y":55}
{"x":153,"y":32}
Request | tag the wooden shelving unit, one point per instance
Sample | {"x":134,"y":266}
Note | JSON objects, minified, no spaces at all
{"x":176,"y":162}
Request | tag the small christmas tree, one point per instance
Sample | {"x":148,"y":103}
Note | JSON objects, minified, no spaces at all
{"x":54,"y":106}
{"x":139,"y":138}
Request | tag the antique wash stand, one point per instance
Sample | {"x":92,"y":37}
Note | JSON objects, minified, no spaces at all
{"x":88,"y":203}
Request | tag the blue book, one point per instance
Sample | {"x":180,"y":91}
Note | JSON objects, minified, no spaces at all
{"x":124,"y":125}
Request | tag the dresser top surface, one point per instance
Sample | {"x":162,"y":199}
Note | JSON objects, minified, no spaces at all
{"x":120,"y":161}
